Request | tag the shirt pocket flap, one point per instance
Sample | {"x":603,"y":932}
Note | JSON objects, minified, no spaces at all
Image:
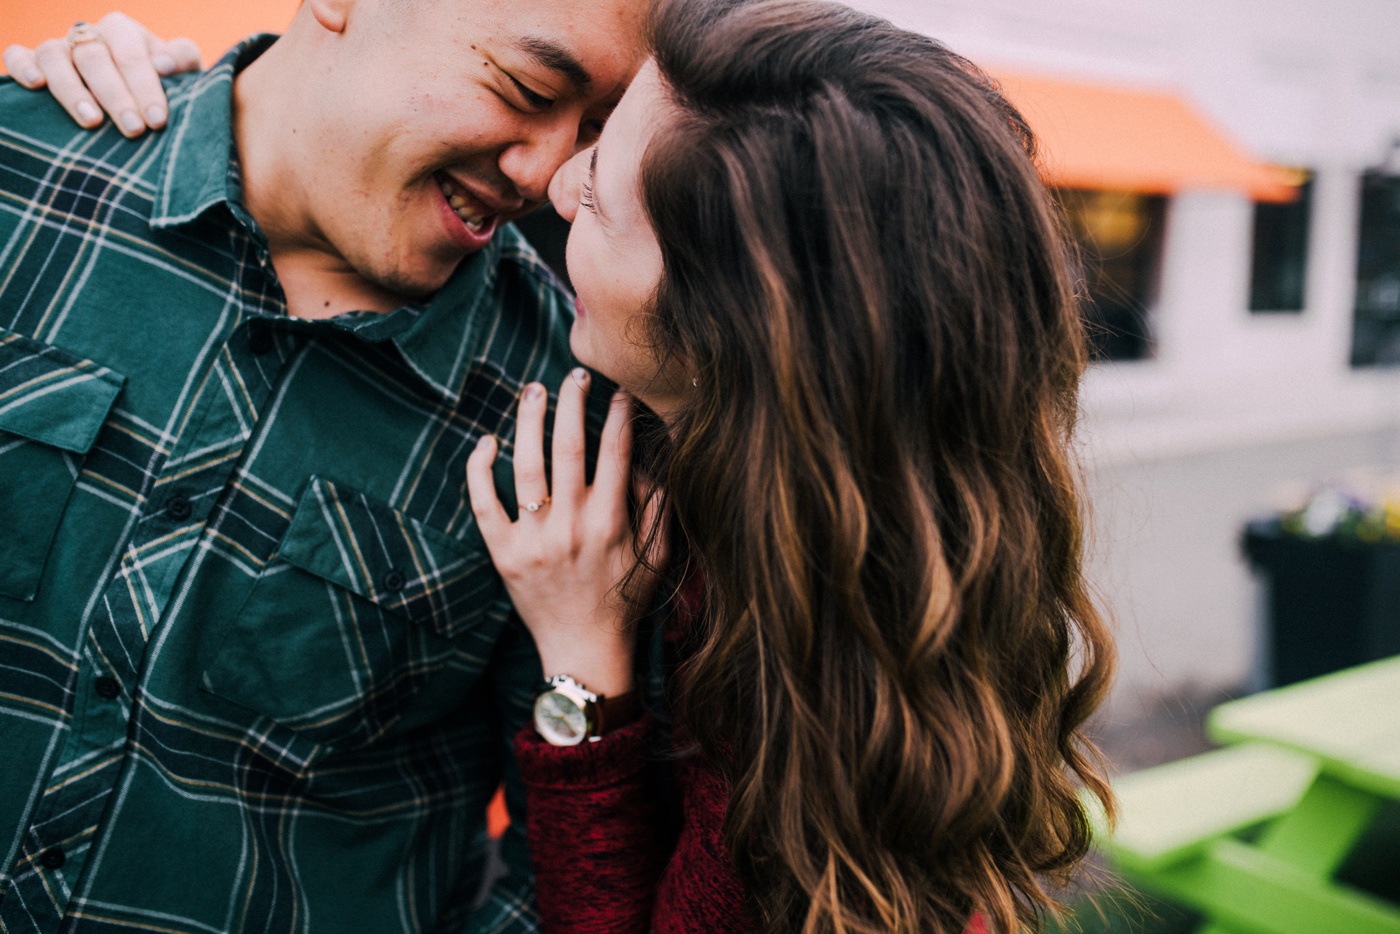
{"x":51,"y":396}
{"x":391,"y":559}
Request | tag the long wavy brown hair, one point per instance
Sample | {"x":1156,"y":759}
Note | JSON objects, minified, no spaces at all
{"x":898,"y":649}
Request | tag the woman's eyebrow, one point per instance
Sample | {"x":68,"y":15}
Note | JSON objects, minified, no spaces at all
{"x":556,"y":57}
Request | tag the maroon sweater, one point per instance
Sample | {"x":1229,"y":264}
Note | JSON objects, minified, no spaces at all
{"x":603,"y":859}
{"x":603,"y":864}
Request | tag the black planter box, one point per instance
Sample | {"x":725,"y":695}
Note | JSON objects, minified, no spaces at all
{"x":1333,"y":602}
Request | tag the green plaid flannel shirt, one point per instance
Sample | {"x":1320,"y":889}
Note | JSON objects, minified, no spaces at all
{"x":256,"y":670}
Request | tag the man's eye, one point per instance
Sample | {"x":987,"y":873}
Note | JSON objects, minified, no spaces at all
{"x":537,"y":101}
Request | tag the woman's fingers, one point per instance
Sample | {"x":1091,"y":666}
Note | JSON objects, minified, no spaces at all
{"x":55,"y":60}
{"x":615,"y":451}
{"x":531,"y":484}
{"x":97,"y":66}
{"x":175,"y":56}
{"x":21,"y":65}
{"x":491,"y":517}
{"x":567,"y":488}
{"x":133,"y":50}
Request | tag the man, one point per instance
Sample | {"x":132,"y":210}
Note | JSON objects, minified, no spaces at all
{"x":256,"y":671}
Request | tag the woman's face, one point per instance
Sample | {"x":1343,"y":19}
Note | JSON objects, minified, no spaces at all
{"x":614,"y":260}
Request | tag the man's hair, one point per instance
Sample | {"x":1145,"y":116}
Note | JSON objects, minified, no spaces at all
{"x":898,"y":648}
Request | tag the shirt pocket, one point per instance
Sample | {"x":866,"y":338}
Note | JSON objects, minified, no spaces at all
{"x":364,"y":621}
{"x":52,"y":406}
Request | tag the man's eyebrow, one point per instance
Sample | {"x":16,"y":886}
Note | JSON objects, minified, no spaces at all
{"x":554,"y":56}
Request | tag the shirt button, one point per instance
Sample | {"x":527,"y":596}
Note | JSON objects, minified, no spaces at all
{"x":394,"y":582}
{"x":178,"y":508}
{"x":53,"y":858}
{"x":259,"y":340}
{"x":107,"y":688}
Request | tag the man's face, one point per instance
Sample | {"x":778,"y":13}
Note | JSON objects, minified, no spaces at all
{"x":447,"y":118}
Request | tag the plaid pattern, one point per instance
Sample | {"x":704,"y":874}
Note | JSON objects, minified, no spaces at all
{"x":256,"y":671}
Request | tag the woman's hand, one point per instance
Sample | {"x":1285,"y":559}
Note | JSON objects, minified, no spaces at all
{"x":121,"y":68}
{"x":563,"y":560}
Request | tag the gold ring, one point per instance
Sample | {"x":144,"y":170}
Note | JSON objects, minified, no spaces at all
{"x":82,"y":33}
{"x":536,"y":506}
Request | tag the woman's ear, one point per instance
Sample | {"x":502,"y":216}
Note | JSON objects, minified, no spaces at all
{"x":331,"y":14}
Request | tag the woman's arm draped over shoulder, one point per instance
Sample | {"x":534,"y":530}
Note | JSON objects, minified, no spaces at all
{"x":116,"y":60}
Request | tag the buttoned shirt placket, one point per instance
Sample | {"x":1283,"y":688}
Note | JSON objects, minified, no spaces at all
{"x":197,"y":454}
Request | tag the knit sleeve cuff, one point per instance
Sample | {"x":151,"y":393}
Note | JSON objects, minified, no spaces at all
{"x":612,"y":760}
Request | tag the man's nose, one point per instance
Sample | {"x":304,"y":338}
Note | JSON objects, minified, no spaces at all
{"x":532,"y":162}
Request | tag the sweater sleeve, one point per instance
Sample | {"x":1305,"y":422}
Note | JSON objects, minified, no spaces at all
{"x":599,"y":845}
{"x":596,"y":830}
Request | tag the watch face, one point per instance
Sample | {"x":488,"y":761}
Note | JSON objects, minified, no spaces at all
{"x":559,"y":720}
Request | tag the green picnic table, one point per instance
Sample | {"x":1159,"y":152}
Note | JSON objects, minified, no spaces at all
{"x":1251,"y":835}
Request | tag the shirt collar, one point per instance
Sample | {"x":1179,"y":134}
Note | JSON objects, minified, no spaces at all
{"x":452,"y":331}
{"x":200,"y":164}
{"x":444,"y":337}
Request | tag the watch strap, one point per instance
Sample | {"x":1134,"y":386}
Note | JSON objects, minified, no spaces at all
{"x":613,"y":713}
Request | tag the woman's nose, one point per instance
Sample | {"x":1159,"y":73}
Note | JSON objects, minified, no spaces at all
{"x":564,"y":186}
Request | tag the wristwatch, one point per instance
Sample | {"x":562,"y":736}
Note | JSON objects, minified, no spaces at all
{"x":567,"y":713}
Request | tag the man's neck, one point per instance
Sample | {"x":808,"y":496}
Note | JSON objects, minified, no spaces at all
{"x":317,"y":280}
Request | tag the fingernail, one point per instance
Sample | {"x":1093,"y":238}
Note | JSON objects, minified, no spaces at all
{"x":87,"y":112}
{"x":155,"y":114}
{"x":165,"y":64}
{"x":534,"y":391}
{"x":130,"y":121}
{"x":31,"y":78}
{"x":486,"y":441}
{"x":580,"y":374}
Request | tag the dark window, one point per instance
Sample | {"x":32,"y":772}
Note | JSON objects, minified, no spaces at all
{"x":1279,"y":272}
{"x":1376,"y":329}
{"x":1119,"y":234}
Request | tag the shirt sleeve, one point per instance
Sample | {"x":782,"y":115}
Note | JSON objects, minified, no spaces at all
{"x":597,"y":830}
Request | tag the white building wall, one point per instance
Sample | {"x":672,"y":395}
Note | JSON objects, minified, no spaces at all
{"x":1239,"y":413}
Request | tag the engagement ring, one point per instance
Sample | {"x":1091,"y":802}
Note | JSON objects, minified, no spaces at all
{"x":82,"y":33}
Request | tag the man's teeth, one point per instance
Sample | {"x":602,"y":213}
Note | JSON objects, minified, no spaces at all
{"x":475,"y":222}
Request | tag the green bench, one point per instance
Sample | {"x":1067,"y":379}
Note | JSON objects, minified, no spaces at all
{"x":1213,"y":832}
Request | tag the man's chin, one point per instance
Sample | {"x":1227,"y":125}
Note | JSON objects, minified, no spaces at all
{"x":417,"y":285}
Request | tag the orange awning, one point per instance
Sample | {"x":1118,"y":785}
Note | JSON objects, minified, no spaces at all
{"x":1098,"y":136}
{"x":215,"y":26}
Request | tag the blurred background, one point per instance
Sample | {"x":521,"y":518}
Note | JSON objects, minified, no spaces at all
{"x":1231,"y":169}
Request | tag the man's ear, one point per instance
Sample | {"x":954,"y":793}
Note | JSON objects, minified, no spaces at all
{"x":331,"y":14}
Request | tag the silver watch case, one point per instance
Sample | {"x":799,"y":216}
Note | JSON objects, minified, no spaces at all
{"x":565,"y":712}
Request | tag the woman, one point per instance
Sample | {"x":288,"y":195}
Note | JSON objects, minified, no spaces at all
{"x":816,"y":247}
